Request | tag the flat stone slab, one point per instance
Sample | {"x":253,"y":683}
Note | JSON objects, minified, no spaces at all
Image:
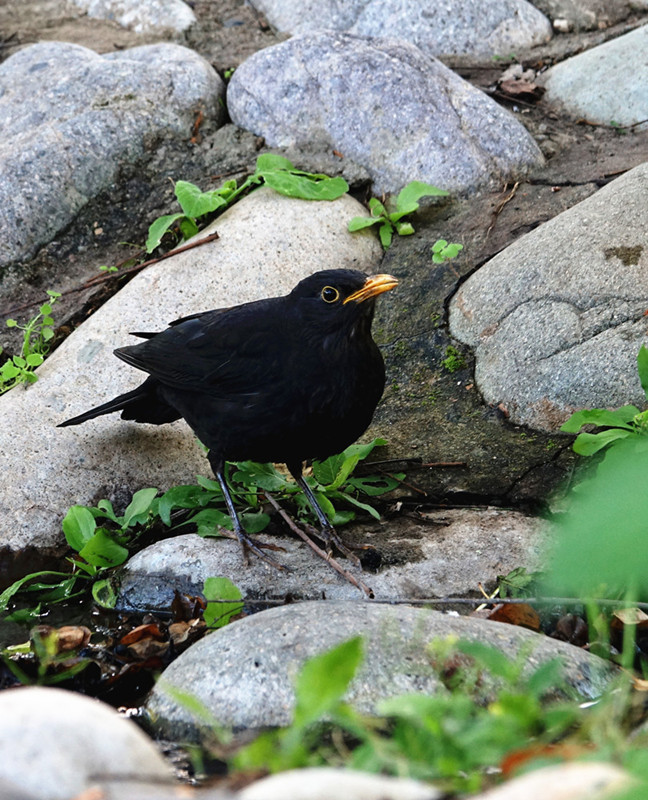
{"x":268,"y":242}
{"x":607,"y":84}
{"x":448,"y":27}
{"x":87,"y":115}
{"x":450,"y":553}
{"x":55,"y":744}
{"x":244,"y":673}
{"x":556,"y":320}
{"x":385,"y":105}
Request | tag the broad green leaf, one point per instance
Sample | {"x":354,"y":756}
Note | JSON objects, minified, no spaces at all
{"x":189,"y":496}
{"x":385,"y":232}
{"x":586,"y":444}
{"x":254,"y":521}
{"x":9,"y":371}
{"x":217,"y":614}
{"x":188,"y":228}
{"x":19,"y":362}
{"x":158,"y":228}
{"x":297,"y":186}
{"x":342,"y":517}
{"x":408,"y":197}
{"x":642,"y":366}
{"x":138,"y":508}
{"x":326,"y":471}
{"x":377,"y":208}
{"x":107,"y":510}
{"x":601,"y":417}
{"x":599,"y":544}
{"x":324,"y":679}
{"x":45,"y":309}
{"x":270,"y":162}
{"x":210,"y":520}
{"x":208,"y":483}
{"x":79,"y":527}
{"x":196,"y":203}
{"x":358,"y":223}
{"x":104,"y":594}
{"x":375,"y":485}
{"x":263,"y":476}
{"x":103,"y":551}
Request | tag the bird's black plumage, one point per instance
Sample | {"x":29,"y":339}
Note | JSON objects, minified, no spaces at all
{"x":284,"y":379}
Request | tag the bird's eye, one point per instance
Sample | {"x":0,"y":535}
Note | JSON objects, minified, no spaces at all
{"x":329,"y":294}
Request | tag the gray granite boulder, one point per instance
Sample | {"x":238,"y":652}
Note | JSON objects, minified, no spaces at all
{"x":444,"y":553}
{"x":70,"y":117}
{"x":556,"y":319}
{"x":55,"y":744}
{"x":244,"y":673}
{"x":384,"y":104}
{"x":267,"y":243}
{"x":606,"y":84}
{"x":442,"y":27}
{"x":152,"y":16}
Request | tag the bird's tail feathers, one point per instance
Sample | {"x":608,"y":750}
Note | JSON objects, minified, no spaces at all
{"x":143,"y":404}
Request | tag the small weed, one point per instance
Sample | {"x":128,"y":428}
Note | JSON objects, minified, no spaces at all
{"x":272,"y":170}
{"x":37,"y":338}
{"x":627,"y":422}
{"x":443,"y":251}
{"x":454,"y":360}
{"x":389,"y":218}
{"x":103,"y":540}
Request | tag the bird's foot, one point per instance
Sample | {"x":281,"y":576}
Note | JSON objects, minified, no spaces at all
{"x":250,"y":545}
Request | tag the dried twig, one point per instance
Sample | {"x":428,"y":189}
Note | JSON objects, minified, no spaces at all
{"x":321,"y":553}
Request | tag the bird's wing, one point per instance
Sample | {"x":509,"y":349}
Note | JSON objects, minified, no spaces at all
{"x":227,"y":351}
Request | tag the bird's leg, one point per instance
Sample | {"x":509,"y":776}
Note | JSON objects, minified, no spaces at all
{"x":218,"y":466}
{"x":327,"y":533}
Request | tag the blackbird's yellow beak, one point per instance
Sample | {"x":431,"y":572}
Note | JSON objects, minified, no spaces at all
{"x":373,"y":286}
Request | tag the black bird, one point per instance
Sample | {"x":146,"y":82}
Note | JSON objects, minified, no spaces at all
{"x":286,"y":379}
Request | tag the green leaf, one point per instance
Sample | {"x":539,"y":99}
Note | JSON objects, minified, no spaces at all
{"x":586,"y":444}
{"x":189,"y":496}
{"x":208,"y":483}
{"x":188,"y":228}
{"x":358,"y":223}
{"x":642,"y":366}
{"x":263,"y":476}
{"x":270,"y":162}
{"x":385,"y":233}
{"x":324,"y":679}
{"x":105,"y":509}
{"x":359,"y":504}
{"x":158,"y":228}
{"x":34,"y":359}
{"x":196,"y":203}
{"x":210,"y":520}
{"x":404,"y":228}
{"x":79,"y":527}
{"x":19,"y":362}
{"x":408,"y":197}
{"x":9,"y":371}
{"x":138,"y":508}
{"x":16,"y":586}
{"x":104,"y":594}
{"x":218,"y":614}
{"x":601,"y":417}
{"x":103,"y":551}
{"x":298,"y":186}
{"x":377,"y":208}
{"x":11,"y":323}
{"x":254,"y":521}
{"x":375,"y":485}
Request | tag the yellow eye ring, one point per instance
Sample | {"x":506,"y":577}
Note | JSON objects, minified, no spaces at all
{"x":330,"y":294}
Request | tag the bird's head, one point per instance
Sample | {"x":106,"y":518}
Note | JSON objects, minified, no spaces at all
{"x":340,"y":299}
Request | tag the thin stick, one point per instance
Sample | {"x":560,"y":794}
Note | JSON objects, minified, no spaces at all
{"x":321,"y":553}
{"x":102,"y":277}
